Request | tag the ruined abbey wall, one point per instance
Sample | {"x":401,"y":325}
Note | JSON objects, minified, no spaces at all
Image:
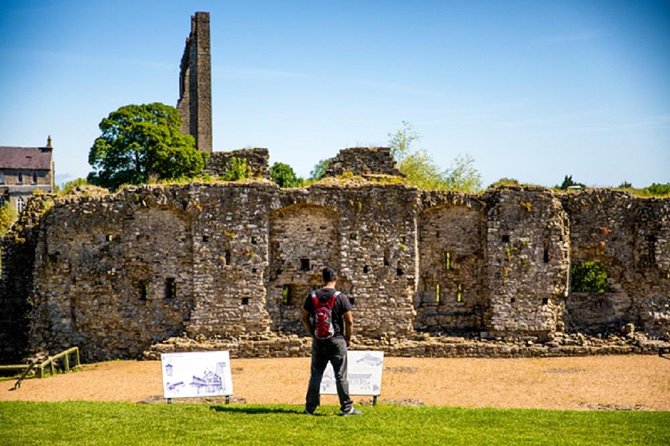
{"x":115,"y":274}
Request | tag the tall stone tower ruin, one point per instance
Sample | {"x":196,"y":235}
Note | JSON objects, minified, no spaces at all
{"x":195,"y":84}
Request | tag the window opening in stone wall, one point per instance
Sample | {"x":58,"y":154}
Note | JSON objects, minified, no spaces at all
{"x":245,"y":301}
{"x":437,"y":293}
{"x":287,"y":294}
{"x":143,"y":291}
{"x":20,"y":179}
{"x":352,"y":300}
{"x":447,"y":261}
{"x":170,"y":288}
{"x":386,"y":261}
{"x":227,"y":256}
{"x":366,"y":269}
{"x":437,"y":234}
{"x":399,"y":271}
{"x":2,"y":178}
{"x":304,"y":264}
{"x":512,"y":300}
{"x":34,"y":178}
{"x":353,"y":236}
{"x":545,"y":256}
{"x":459,"y":293}
{"x":254,"y":240}
{"x":545,"y":301}
{"x":205,"y":238}
{"x":505,"y":238}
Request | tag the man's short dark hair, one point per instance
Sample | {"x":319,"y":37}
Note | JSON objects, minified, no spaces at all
{"x":329,"y":275}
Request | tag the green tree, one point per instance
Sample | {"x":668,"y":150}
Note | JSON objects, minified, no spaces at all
{"x":568,"y":183}
{"x":7,"y":217}
{"x":659,"y":189}
{"x":589,"y":276}
{"x":420,"y":169}
{"x":284,"y":176}
{"x":140,"y":143}
{"x":320,"y":169}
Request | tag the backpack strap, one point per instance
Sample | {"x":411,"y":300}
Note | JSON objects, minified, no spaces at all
{"x":330,"y":302}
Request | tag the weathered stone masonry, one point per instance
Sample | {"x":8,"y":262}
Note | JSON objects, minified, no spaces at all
{"x":115,"y":274}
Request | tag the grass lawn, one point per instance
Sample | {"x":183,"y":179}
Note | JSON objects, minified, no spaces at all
{"x":25,"y":423}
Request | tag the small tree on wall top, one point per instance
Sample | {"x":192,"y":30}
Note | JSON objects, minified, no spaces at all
{"x":420,"y":169}
{"x":284,"y":176}
{"x":142,"y":142}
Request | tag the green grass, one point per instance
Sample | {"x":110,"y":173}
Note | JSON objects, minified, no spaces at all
{"x":81,"y":423}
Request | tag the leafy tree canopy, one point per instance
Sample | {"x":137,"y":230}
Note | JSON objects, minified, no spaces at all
{"x":320,"y":169}
{"x":140,"y":143}
{"x":658,"y":189}
{"x":568,"y":182}
{"x":284,"y":176}
{"x":421,"y":170}
{"x":589,"y":277}
{"x":7,"y":217}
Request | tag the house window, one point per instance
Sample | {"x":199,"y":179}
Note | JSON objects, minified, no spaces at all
{"x":34,"y":178}
{"x":20,"y":204}
{"x":170,"y":288}
{"x":20,"y":179}
{"x":2,"y":177}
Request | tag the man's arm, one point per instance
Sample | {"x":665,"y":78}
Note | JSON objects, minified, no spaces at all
{"x":348,"y":318}
{"x":305,"y":321}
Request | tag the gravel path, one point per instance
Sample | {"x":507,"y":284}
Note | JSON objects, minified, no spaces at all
{"x":632,"y":382}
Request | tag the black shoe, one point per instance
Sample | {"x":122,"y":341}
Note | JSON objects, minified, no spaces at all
{"x":308,"y":412}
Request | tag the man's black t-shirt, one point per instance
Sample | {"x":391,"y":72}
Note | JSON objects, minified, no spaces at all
{"x":342,"y":305}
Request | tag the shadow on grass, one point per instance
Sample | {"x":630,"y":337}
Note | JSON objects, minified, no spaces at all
{"x":255,"y":410}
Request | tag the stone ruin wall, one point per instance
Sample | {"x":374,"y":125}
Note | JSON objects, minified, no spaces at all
{"x":257,"y":161}
{"x":364,"y":161}
{"x":115,"y":274}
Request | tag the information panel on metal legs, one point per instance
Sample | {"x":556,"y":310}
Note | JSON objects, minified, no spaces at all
{"x":196,"y":374}
{"x":364,"y":370}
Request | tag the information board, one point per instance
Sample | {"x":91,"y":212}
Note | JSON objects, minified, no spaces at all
{"x":364,"y":370}
{"x":196,"y":374}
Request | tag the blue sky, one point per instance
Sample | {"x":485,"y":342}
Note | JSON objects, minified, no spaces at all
{"x":532,"y":90}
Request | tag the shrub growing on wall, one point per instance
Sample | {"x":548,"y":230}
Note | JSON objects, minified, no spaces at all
{"x":589,"y":277}
{"x":236,"y":169}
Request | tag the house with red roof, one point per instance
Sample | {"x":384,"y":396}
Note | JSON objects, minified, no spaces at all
{"x":23,"y":171}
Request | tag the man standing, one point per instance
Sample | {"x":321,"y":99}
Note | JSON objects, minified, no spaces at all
{"x":327,"y":317}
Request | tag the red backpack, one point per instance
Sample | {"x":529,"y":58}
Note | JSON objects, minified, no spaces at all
{"x":323,"y":315}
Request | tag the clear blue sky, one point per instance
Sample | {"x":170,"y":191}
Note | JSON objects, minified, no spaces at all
{"x":532,"y":90}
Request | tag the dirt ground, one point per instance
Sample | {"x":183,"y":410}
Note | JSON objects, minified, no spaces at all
{"x":586,"y":383}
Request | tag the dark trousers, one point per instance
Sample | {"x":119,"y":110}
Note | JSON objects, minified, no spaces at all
{"x":323,"y":351}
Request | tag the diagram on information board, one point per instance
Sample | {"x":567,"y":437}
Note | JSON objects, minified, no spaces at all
{"x":364,"y":373}
{"x":195,"y":374}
